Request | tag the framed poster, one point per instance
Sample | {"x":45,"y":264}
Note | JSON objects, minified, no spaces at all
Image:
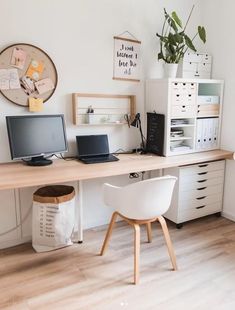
{"x":26,"y":72}
{"x":126,"y":63}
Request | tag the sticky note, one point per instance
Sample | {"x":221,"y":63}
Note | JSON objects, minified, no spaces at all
{"x":35,"y":104}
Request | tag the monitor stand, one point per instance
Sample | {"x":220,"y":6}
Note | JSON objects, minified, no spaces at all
{"x":38,"y":161}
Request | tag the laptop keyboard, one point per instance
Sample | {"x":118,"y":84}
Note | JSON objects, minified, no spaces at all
{"x":99,"y":159}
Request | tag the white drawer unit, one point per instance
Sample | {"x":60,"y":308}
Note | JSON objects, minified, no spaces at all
{"x":198,"y":191}
{"x":182,"y":111}
{"x":192,"y":106}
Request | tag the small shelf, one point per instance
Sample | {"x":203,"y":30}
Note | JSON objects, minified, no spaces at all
{"x":104,"y":124}
{"x":182,"y":125}
{"x":107,"y":109}
{"x":208,"y":116}
{"x":180,"y":138}
{"x":180,"y":152}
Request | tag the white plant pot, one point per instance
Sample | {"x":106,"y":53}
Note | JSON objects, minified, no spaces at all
{"x":170,"y":70}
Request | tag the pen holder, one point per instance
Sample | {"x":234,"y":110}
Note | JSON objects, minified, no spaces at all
{"x":91,"y":118}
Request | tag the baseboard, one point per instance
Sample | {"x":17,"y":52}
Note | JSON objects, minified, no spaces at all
{"x":228,"y":216}
{"x":11,"y":243}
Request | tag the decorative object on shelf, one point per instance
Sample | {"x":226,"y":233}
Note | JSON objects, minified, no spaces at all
{"x":195,"y":65}
{"x":26,"y":72}
{"x":126,"y":62}
{"x":90,"y":115}
{"x":174,"y":42}
{"x":170,"y":70}
{"x":137,"y":123}
{"x":103,"y":109}
{"x":176,"y":133}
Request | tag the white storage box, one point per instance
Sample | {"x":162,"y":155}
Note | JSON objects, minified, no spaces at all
{"x":207,"y":99}
{"x":196,"y":65}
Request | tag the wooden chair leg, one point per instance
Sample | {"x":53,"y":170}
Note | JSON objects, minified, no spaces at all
{"x":168,"y":241}
{"x":109,"y":232}
{"x":136,"y":252}
{"x":149,"y":232}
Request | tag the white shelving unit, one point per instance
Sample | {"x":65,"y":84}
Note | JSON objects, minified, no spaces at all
{"x":191,"y":105}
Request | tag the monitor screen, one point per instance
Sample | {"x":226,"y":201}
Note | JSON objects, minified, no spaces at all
{"x":36,"y":135}
{"x":92,"y":145}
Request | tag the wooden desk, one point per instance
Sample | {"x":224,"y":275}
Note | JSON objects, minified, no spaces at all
{"x":17,"y":175}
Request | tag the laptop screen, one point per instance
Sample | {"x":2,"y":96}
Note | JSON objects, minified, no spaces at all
{"x":92,"y":145}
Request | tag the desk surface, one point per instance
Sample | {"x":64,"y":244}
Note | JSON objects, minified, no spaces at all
{"x":18,"y":175}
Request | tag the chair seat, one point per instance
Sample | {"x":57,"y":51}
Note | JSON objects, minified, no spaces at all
{"x":141,"y":203}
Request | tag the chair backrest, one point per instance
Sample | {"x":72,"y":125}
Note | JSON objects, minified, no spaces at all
{"x":141,"y":200}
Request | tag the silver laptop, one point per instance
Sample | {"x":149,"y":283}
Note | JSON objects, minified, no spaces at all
{"x":94,"y":149}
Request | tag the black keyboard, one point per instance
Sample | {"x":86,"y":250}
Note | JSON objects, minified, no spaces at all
{"x":99,"y":159}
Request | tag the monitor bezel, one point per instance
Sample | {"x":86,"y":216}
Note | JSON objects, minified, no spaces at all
{"x":9,"y":132}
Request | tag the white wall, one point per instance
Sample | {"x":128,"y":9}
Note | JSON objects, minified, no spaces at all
{"x":78,"y":35}
{"x":219,"y":21}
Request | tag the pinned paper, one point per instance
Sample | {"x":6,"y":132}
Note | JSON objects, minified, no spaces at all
{"x":35,"y":70}
{"x":4,"y":79}
{"x":18,"y":58}
{"x":27,"y":85}
{"x":35,"y":104}
{"x":44,"y":85}
{"x":9,"y":79}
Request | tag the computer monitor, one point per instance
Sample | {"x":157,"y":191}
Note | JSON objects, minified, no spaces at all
{"x":35,"y":136}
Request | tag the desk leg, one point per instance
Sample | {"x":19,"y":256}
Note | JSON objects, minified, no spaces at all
{"x":80,"y":212}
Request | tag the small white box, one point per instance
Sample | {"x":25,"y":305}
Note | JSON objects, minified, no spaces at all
{"x":207,"y":100}
{"x":204,"y":67}
{"x":196,"y":65}
{"x":193,"y":57}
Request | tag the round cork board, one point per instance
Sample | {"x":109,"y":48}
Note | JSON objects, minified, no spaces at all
{"x":33,"y":62}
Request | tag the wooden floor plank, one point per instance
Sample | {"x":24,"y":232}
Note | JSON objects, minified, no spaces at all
{"x":78,"y":278}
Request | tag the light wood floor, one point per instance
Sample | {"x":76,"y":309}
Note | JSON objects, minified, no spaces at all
{"x":77,"y":278}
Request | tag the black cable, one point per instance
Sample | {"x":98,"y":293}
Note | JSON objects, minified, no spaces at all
{"x":121,"y":151}
{"x":69,"y":158}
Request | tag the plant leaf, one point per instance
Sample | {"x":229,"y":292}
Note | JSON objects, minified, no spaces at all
{"x":189,"y":43}
{"x":176,"y":19}
{"x":178,"y":38}
{"x":172,"y":23}
{"x":171,"y":39}
{"x":202,"y":33}
{"x":160,"y":56}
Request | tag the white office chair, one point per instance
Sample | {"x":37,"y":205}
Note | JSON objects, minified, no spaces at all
{"x":143,"y":202}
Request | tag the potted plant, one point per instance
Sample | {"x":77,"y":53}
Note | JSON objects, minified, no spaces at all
{"x":174,"y":42}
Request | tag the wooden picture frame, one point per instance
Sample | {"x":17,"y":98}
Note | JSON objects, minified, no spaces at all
{"x":20,"y":96}
{"x":126,"y":62}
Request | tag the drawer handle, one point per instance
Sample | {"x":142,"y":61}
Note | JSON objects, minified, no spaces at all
{"x":199,"y":198}
{"x":183,"y":106}
{"x":201,"y":188}
{"x":202,"y":181}
{"x":204,"y":165}
{"x":202,"y":173}
{"x":200,"y":207}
